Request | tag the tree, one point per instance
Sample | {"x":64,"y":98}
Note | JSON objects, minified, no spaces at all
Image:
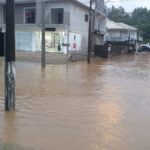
{"x":118,"y":15}
{"x":139,"y":18}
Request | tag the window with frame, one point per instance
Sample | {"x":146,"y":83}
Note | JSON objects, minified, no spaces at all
{"x":57,"y":15}
{"x":30,"y":15}
{"x":86,"y":18}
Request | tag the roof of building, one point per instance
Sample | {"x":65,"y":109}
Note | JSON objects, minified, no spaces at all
{"x":111,"y":25}
{"x":127,"y":26}
{"x":79,"y":2}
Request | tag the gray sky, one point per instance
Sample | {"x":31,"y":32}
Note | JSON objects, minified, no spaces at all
{"x":129,"y":5}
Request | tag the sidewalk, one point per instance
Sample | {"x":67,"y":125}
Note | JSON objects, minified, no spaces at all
{"x":51,"y":58}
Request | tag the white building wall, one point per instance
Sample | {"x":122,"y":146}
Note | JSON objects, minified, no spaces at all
{"x":121,"y":35}
{"x":78,"y":24}
{"x":1,"y":14}
{"x":50,"y":5}
{"x":29,"y":40}
{"x":133,"y":35}
{"x":114,"y":34}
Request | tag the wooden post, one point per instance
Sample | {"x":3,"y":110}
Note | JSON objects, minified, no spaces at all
{"x":43,"y":61}
{"x":10,"y":57}
{"x":89,"y":37}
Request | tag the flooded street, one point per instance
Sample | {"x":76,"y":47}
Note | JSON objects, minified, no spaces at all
{"x":101,"y":106}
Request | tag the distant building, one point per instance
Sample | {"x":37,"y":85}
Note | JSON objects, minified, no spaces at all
{"x":121,"y":32}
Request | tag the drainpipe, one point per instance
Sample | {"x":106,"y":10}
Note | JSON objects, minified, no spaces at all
{"x":10,"y":78}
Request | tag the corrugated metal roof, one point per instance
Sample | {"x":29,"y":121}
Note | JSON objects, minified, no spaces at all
{"x":127,"y":26}
{"x":111,"y":25}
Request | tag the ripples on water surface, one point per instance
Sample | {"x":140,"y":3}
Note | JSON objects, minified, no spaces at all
{"x":101,"y":106}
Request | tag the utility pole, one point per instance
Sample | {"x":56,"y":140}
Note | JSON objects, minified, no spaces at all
{"x":89,"y":37}
{"x":10,"y":57}
{"x":43,"y":61}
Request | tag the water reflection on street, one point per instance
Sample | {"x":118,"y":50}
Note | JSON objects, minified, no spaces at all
{"x":101,"y":106}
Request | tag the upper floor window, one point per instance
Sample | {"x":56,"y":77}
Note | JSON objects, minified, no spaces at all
{"x":57,"y":15}
{"x":30,"y":15}
{"x":86,"y":18}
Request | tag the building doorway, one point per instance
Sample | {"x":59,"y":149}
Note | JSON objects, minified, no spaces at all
{"x":53,"y":41}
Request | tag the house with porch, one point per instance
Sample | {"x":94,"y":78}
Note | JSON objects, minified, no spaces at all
{"x":66,"y":21}
{"x":121,"y":32}
{"x":121,"y":37}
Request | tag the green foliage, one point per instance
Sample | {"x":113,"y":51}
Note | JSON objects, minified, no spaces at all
{"x":139,"y":18}
{"x":118,"y":15}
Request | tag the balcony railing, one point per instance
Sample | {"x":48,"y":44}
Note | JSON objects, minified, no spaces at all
{"x":108,"y":38}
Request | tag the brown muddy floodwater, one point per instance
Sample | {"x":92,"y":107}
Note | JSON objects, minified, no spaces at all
{"x":101,"y":106}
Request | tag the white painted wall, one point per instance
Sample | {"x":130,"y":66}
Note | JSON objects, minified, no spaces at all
{"x":78,"y":24}
{"x":76,"y":21}
{"x":123,"y":35}
{"x":115,"y":34}
{"x":100,"y":23}
{"x":75,"y":17}
{"x":133,"y":34}
{"x":1,"y":14}
{"x":50,"y":5}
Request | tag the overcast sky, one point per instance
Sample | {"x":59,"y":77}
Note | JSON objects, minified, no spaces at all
{"x":129,"y":5}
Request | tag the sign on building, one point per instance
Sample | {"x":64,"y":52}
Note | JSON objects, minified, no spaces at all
{"x":75,"y":41}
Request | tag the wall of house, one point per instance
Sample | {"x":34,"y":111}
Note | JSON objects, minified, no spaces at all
{"x":74,"y":20}
{"x":115,"y":34}
{"x":1,"y":14}
{"x":123,"y":35}
{"x":53,"y":5}
{"x":19,"y":12}
{"x":100,"y":23}
{"x":48,"y":7}
{"x":79,"y":25}
{"x":100,"y":27}
{"x":133,"y":35}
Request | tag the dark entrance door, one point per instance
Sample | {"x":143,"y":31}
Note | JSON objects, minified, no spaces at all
{"x":1,"y":44}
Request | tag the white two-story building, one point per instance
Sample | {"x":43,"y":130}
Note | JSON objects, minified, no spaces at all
{"x":121,"y":32}
{"x":66,"y":21}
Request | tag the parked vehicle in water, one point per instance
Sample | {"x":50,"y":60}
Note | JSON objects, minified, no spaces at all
{"x":144,"y":48}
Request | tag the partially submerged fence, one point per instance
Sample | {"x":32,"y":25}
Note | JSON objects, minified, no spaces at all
{"x":107,"y":50}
